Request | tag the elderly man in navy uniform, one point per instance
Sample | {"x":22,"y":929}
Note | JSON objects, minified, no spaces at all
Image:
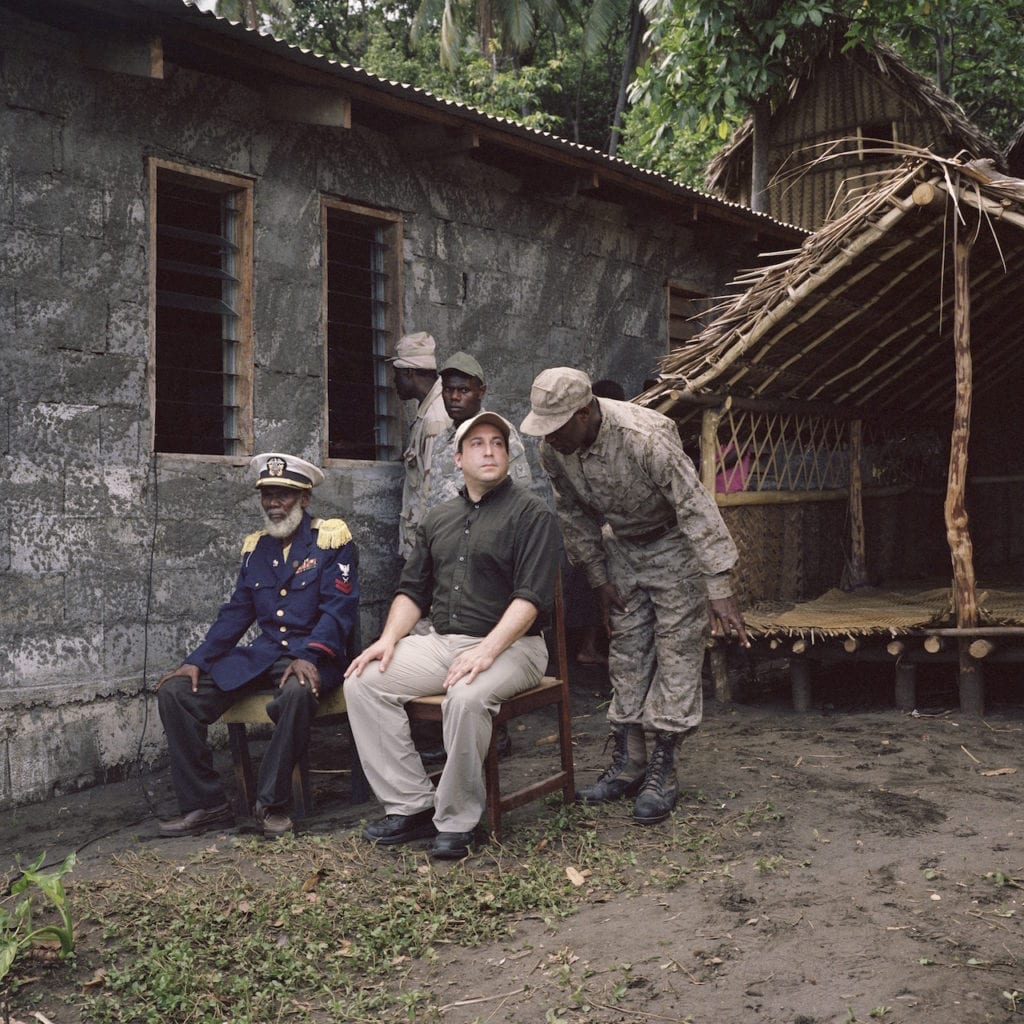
{"x":298,"y":582}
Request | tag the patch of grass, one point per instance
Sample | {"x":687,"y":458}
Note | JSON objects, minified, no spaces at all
{"x":319,"y":928}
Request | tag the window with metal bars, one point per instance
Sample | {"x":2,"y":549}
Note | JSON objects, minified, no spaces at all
{"x":361,"y":270}
{"x":202,"y":343}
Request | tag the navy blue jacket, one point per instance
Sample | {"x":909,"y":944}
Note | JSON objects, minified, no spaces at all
{"x":305,"y":606}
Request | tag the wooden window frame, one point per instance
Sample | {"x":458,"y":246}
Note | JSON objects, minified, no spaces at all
{"x":392,"y":222}
{"x":218,"y":181}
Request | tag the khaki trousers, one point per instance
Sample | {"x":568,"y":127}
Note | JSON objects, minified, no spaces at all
{"x":376,"y":708}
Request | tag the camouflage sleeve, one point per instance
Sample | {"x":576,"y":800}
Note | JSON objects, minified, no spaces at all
{"x":696,"y":512}
{"x":581,"y":528}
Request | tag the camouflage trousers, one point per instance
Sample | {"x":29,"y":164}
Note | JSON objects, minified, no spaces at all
{"x":656,"y":651}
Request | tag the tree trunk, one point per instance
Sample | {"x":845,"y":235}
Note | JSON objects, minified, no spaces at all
{"x":759,"y":157}
{"x":636,"y":20}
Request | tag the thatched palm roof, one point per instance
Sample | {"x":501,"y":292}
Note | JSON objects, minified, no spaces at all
{"x":730,"y":168}
{"x":861,"y":316}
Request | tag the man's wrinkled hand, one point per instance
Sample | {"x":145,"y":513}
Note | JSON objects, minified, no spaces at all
{"x":727,"y":619}
{"x":306,"y":674}
{"x":189,"y":672}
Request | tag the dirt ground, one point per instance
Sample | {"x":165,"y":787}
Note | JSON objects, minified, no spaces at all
{"x":883,"y":879}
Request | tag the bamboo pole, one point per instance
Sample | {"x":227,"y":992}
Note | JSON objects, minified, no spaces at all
{"x":965,"y":598}
{"x":709,"y":447}
{"x":858,"y":548}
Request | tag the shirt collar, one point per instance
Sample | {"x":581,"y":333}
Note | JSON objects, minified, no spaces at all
{"x":500,"y":489}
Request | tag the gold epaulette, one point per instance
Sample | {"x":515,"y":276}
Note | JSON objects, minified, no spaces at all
{"x":331,"y":533}
{"x":251,"y":540}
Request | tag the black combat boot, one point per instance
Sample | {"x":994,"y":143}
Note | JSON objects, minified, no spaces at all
{"x":625,"y":775}
{"x":659,"y":790}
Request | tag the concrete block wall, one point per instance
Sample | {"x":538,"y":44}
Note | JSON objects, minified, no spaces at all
{"x":112,"y":561}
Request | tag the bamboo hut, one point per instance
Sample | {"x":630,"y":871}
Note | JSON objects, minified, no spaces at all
{"x":873,"y":98}
{"x":849,"y":409}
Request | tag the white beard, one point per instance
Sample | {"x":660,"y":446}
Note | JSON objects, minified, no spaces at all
{"x":287,"y":526}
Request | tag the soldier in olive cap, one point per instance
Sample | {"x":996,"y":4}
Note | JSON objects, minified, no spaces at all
{"x":657,"y":554}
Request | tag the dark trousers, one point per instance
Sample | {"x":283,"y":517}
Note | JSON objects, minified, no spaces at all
{"x":186,"y":715}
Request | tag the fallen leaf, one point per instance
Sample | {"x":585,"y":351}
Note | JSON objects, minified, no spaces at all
{"x":313,"y":880}
{"x":98,"y":978}
{"x":999,"y":771}
{"x":574,"y":876}
{"x":243,"y":907}
{"x":544,"y":740}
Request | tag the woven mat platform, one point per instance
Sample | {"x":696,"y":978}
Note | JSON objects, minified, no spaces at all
{"x":864,"y":612}
{"x":1003,"y":606}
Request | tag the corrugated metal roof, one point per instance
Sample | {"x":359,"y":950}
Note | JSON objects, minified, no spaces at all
{"x":187,"y":11}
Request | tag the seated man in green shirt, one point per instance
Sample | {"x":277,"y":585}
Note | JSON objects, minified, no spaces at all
{"x":483,"y":570}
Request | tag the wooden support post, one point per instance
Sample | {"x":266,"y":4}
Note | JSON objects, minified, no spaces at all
{"x":800,"y":646}
{"x":965,"y":598}
{"x":720,"y":673}
{"x":934,"y":644}
{"x":858,"y":556}
{"x":800,"y":676}
{"x":709,"y":448}
{"x":895,"y":647}
{"x":906,"y":679}
{"x":851,"y":644}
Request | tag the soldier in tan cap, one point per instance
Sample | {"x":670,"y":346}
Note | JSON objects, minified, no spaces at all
{"x":416,"y":379}
{"x":654,"y":547}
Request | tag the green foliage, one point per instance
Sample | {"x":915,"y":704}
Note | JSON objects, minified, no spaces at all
{"x":712,"y":60}
{"x":18,"y":932}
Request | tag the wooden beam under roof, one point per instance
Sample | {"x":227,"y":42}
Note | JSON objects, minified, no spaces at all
{"x":304,"y":105}
{"x":124,"y":54}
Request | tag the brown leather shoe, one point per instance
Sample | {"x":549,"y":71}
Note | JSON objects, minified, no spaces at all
{"x":274,"y":823}
{"x":198,"y":821}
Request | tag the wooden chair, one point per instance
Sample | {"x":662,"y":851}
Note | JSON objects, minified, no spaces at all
{"x":252,"y":710}
{"x":553,"y":692}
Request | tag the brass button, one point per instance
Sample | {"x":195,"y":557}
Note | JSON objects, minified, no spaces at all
{"x":284,"y":643}
{"x":280,"y":613}
{"x":284,"y":592}
{"x":283,"y":629}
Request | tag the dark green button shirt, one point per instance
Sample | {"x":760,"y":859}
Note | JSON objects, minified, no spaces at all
{"x":473,"y":558}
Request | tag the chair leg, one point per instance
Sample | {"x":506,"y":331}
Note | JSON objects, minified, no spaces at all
{"x":493,"y":787}
{"x":302,"y":794}
{"x":565,"y":750}
{"x":360,"y":786}
{"x":245,"y":779}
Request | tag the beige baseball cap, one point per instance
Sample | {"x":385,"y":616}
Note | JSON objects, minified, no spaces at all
{"x":415,"y":352}
{"x":482,"y":417}
{"x":556,"y":395}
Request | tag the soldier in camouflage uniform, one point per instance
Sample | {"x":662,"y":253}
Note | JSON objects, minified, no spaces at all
{"x":657,"y":554}
{"x":416,"y":379}
{"x":463,"y":387}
